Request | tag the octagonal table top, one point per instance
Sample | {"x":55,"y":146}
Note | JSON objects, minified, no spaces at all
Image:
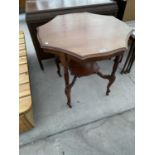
{"x":84,"y":35}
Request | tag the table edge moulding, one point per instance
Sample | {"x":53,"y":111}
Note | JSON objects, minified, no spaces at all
{"x":46,"y":45}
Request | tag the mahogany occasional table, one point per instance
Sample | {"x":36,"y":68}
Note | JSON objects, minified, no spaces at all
{"x":81,"y":39}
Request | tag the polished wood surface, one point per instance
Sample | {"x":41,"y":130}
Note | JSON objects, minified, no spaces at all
{"x":84,"y":35}
{"x":25,"y":100}
{"x":80,"y":39}
{"x":40,"y":5}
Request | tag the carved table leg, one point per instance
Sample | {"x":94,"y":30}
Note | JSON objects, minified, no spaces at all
{"x":68,"y":86}
{"x":68,"y":91}
{"x":79,"y":70}
{"x":57,"y":62}
{"x":111,"y":77}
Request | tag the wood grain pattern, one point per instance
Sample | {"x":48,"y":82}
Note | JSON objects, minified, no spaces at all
{"x":22,"y":52}
{"x":25,"y":101}
{"x":22,"y":60}
{"x":23,"y":78}
{"x":21,"y":41}
{"x":26,"y":121}
{"x":21,"y":35}
{"x":23,"y":68}
{"x":21,"y":32}
{"x":24,"y":90}
{"x":25,"y":104}
{"x":84,"y":35}
{"x":22,"y":47}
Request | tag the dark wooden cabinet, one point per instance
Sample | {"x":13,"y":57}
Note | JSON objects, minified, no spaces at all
{"x":40,"y":12}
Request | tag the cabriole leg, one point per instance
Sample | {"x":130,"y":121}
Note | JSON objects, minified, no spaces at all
{"x":68,"y":91}
{"x":57,"y":62}
{"x":112,"y":77}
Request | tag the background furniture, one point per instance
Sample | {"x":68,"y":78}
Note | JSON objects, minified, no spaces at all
{"x":79,"y":40}
{"x":25,"y":102}
{"x":40,"y":12}
{"x":131,"y":55}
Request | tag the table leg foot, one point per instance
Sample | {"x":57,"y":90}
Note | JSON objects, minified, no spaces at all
{"x":107,"y":92}
{"x":111,"y":77}
{"x":68,"y":91}
{"x":69,"y":105}
{"x":57,"y":62}
{"x":111,"y":81}
{"x":41,"y":65}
